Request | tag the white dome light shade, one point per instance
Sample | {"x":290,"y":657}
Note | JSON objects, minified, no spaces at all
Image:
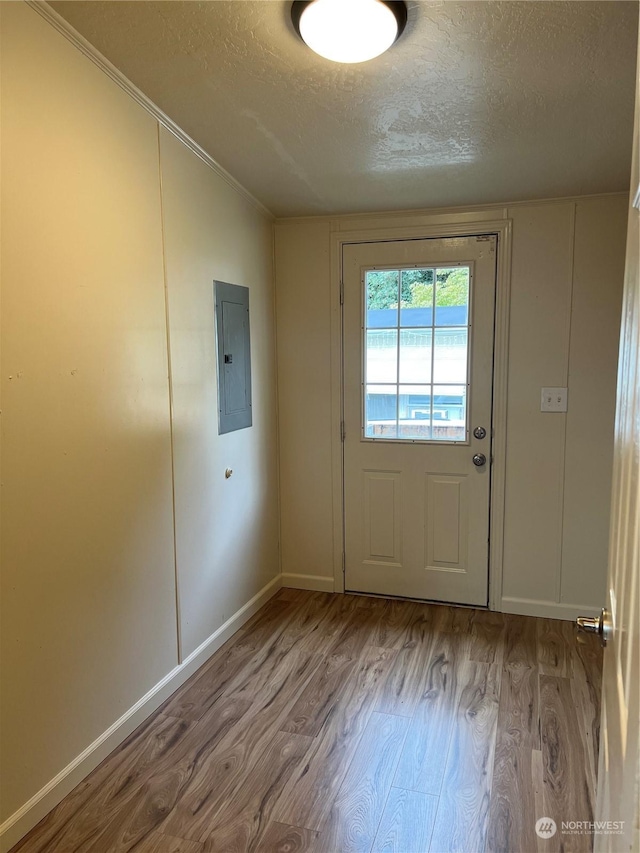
{"x":349,"y":30}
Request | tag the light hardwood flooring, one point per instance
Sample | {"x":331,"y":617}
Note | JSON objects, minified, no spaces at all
{"x":335,"y":723}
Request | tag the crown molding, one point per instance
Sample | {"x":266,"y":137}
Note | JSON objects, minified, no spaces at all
{"x":72,"y":35}
{"x":498,"y":208}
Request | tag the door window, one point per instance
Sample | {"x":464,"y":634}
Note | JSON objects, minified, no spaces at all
{"x":416,"y":360}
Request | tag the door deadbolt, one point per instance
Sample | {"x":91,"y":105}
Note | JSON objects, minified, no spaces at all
{"x":479,"y":432}
{"x":479,"y":459}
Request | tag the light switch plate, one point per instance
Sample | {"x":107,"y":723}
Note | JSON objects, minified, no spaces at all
{"x":553,"y":400}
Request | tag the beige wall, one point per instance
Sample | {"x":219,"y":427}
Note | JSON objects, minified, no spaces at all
{"x":595,"y":330}
{"x":566,"y":283}
{"x":89,"y":618}
{"x":303,"y":298}
{"x":226,"y":530}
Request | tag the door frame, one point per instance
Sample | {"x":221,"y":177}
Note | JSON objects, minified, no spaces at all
{"x":502,"y":228}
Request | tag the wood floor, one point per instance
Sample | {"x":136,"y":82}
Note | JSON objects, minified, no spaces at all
{"x":335,"y":723}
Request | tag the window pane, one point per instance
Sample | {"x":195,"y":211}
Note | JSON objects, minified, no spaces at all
{"x":382,"y":298}
{"x":417,"y":297}
{"x":415,"y":355}
{"x":415,"y":412}
{"x":416,"y":363}
{"x":380,"y":411}
{"x":416,"y":429}
{"x":450,"y":357}
{"x":382,"y":355}
{"x":452,"y":296}
{"x":449,"y":412}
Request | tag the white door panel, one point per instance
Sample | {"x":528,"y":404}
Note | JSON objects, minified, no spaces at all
{"x":417,"y":380}
{"x":446,"y":539}
{"x":619,"y":764}
{"x":382,"y":517}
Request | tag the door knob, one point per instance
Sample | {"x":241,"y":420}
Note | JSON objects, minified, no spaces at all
{"x":594,"y":625}
{"x":479,"y":459}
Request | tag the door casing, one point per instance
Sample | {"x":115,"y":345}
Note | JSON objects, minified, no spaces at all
{"x":502,"y":228}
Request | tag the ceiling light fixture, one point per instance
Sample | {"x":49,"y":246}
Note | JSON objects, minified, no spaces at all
{"x":349,"y":30}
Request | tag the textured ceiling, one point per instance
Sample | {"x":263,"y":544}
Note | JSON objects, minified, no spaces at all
{"x":478,"y":102}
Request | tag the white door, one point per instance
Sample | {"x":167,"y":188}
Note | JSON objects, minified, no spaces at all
{"x":619,"y":766}
{"x":418,"y":329}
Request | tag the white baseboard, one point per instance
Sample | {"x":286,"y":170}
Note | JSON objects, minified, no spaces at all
{"x":32,"y":812}
{"x":320,"y":583}
{"x":547,"y":609}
